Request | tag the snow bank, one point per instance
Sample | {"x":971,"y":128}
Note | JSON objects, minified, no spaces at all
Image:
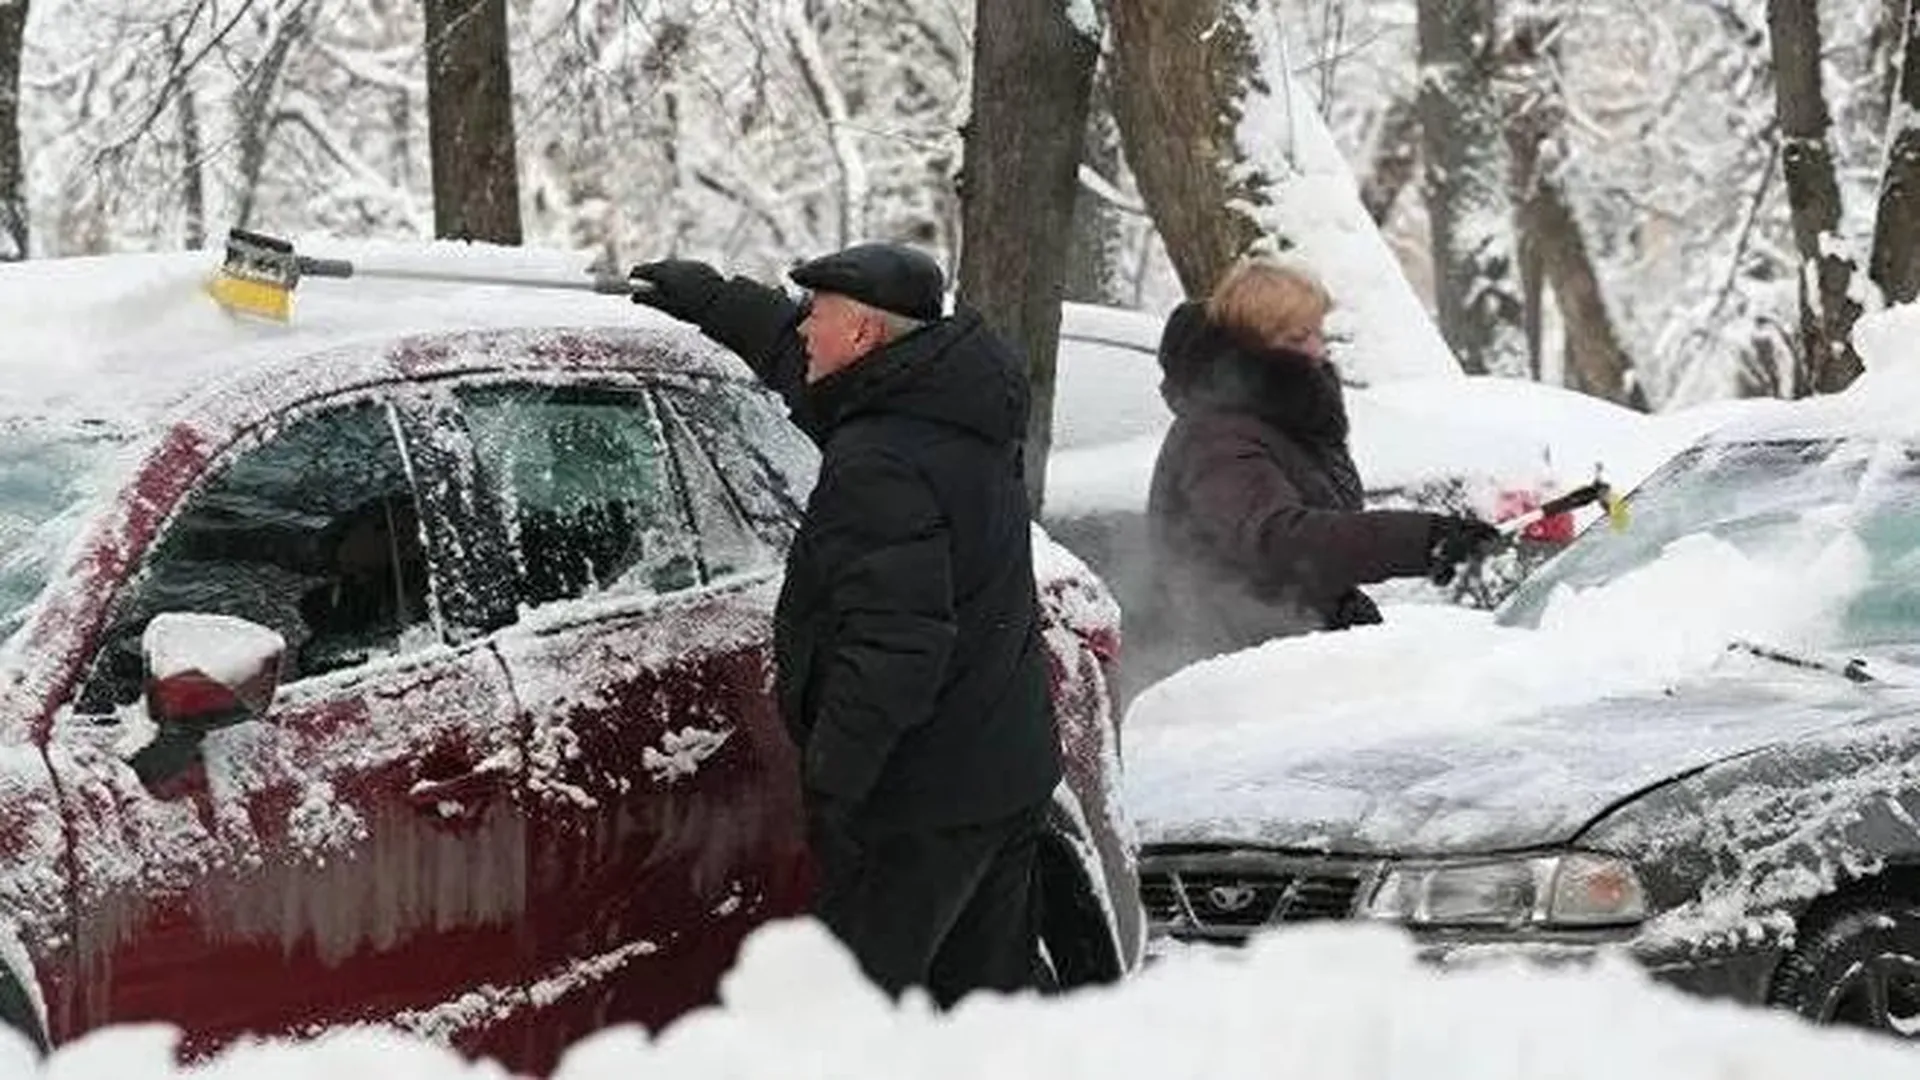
{"x":1324,"y":1002}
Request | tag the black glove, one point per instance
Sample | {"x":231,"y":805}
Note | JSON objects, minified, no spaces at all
{"x":683,"y":288}
{"x":1452,"y":541}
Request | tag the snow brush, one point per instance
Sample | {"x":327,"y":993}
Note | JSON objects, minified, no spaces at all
{"x":1599,"y":493}
{"x":260,"y":272}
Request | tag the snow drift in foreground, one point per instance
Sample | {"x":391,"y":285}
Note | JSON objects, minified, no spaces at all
{"x":1332,"y":1003}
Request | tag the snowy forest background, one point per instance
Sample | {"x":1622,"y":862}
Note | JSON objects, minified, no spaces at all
{"x":1658,"y":201}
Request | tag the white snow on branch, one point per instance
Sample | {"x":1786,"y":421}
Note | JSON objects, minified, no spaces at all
{"x":1312,"y":202}
{"x":818,"y":74}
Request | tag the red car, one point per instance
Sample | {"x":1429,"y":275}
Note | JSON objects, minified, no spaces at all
{"x":507,"y":768}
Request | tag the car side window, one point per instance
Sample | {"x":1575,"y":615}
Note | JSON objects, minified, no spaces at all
{"x":314,"y":533}
{"x":586,"y":481}
{"x":768,"y":466}
{"x":729,"y":544}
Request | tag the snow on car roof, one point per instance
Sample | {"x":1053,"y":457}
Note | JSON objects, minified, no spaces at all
{"x":118,"y":337}
{"x":1883,"y":403}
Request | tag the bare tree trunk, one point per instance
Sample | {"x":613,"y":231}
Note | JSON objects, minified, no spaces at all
{"x":1895,"y":262}
{"x":1033,"y":74}
{"x":476,"y":182}
{"x":1093,"y":259}
{"x":1176,"y":64}
{"x":256,"y":122}
{"x":13,"y":174}
{"x":1827,"y":313}
{"x":192,"y":180}
{"x":1396,"y":157}
{"x":1553,"y":248}
{"x":1471,"y":215}
{"x":1597,"y":363}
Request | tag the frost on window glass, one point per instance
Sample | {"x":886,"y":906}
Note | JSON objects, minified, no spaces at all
{"x":588,"y":490}
{"x":766,"y":463}
{"x":314,"y":533}
{"x":728,"y":543}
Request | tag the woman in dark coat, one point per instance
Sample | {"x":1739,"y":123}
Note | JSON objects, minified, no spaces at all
{"x":1255,"y":516}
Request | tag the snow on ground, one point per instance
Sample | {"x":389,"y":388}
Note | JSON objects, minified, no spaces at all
{"x":1322,"y":1002}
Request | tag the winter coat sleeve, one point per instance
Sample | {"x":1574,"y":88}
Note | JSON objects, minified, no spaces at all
{"x":891,"y":612}
{"x":762,"y":325}
{"x":1245,"y":508}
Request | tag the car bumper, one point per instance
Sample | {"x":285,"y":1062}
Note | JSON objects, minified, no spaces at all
{"x":1739,"y":974}
{"x":1197,"y":900}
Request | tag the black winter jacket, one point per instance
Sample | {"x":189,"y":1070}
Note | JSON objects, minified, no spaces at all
{"x":1256,"y":515}
{"x":910,"y":666}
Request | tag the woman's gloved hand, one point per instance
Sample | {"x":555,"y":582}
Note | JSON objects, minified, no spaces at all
{"x":1453,"y":541}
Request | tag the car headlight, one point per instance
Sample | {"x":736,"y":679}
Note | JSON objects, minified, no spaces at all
{"x":1572,"y":890}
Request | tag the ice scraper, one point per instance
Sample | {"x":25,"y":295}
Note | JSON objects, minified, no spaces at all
{"x":260,"y":272}
{"x":1599,"y":492}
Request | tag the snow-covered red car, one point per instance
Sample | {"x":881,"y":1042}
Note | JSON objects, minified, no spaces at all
{"x":410,"y":665}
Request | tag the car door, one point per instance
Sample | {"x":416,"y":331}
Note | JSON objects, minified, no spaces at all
{"x":359,"y":853}
{"x":665,"y":811}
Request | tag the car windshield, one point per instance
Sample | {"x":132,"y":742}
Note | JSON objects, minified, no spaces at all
{"x":1786,"y":505}
{"x":46,"y":475}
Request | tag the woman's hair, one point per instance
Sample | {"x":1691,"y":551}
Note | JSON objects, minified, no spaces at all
{"x":1261,"y":300}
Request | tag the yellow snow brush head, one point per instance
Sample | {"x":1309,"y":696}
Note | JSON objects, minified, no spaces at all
{"x":1616,"y":507}
{"x":257,"y":277}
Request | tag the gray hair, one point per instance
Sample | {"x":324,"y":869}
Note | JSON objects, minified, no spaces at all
{"x":898,"y":326}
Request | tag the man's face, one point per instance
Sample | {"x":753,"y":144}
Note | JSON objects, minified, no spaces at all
{"x":838,"y":331}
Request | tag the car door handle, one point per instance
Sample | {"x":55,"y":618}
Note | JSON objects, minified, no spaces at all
{"x":462,"y":797}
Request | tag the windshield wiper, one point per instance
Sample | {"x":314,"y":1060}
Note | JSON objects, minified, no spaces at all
{"x":1854,"y":669}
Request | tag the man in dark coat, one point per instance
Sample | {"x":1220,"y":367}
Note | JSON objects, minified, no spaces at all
{"x":909,"y":663}
{"x":1255,"y":515}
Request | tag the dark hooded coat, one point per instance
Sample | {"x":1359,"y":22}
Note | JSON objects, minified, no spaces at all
{"x":1255,"y":515}
{"x":910,"y":667}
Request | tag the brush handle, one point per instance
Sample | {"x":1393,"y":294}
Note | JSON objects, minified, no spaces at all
{"x":604,"y":284}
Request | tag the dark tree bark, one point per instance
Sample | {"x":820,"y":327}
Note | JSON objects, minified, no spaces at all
{"x":1553,"y":247}
{"x":1467,"y":181}
{"x":1033,"y":73}
{"x":1093,"y":260}
{"x":193,"y":191}
{"x":256,"y":121}
{"x":1180,"y":72}
{"x":1396,"y":158}
{"x":1597,"y":362}
{"x":13,"y":175}
{"x":1895,"y":262}
{"x":1827,"y":313}
{"x":476,"y":182}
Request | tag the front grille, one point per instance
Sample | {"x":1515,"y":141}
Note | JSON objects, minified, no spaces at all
{"x":1160,"y":898}
{"x":1232,"y":894}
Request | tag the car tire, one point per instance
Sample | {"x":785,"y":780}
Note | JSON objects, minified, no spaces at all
{"x":1076,"y":943}
{"x":1857,"y":964}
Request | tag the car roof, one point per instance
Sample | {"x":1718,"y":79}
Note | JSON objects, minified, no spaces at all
{"x":125,"y":340}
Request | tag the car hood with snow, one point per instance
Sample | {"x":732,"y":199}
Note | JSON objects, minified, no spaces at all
{"x":1514,"y":782}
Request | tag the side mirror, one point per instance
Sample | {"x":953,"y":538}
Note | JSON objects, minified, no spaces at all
{"x":209,"y":671}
